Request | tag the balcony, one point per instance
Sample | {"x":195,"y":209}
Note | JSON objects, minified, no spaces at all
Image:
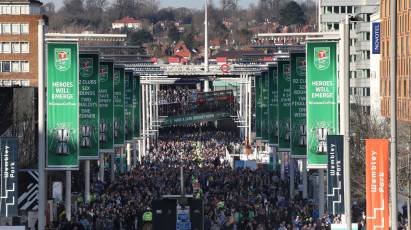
{"x":362,"y":64}
{"x":362,"y":27}
{"x":362,"y":45}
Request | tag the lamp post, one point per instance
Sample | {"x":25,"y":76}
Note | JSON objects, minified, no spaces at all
{"x":206,"y":36}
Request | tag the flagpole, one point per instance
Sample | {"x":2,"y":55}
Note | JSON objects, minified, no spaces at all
{"x":206,"y":35}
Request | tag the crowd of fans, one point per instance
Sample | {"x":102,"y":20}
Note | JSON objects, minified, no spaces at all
{"x":176,"y":95}
{"x":235,"y":199}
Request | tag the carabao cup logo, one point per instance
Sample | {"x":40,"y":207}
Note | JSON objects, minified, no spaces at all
{"x":86,"y":67}
{"x":62,"y":59}
{"x":322,"y":58}
{"x":103,"y":73}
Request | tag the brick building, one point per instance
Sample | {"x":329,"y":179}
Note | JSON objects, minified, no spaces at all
{"x":403,"y":59}
{"x":19,"y":20}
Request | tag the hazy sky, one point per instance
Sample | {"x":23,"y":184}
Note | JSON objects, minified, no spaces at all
{"x":176,"y":3}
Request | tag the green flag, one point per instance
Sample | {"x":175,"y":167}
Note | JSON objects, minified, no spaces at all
{"x":62,"y":106}
{"x":106,"y":108}
{"x":89,"y":114}
{"x":118,"y":100}
{"x":136,"y":106}
{"x":322,"y":107}
{"x":283,"y":80}
{"x":128,"y":105}
{"x":298,"y":106}
{"x":272,"y":105}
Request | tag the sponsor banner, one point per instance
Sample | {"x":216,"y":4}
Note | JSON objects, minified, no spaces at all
{"x":284,"y":98}
{"x":322,"y":107}
{"x":272,"y":105}
{"x":377,"y":183}
{"x":128,"y":105}
{"x":9,"y":180}
{"x":136,"y":106}
{"x":62,"y":106}
{"x":187,"y":119}
{"x":106,"y":107}
{"x":298,"y":115}
{"x":264,"y":107}
{"x":335,"y":175}
{"x":258,"y":103}
{"x":376,"y":38}
{"x":89,"y":112}
{"x":343,"y":226}
{"x":118,"y":100}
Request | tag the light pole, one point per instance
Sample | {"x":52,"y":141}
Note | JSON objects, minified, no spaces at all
{"x":206,"y":36}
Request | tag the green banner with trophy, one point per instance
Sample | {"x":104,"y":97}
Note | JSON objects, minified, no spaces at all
{"x":128,"y":105}
{"x":89,"y":112}
{"x":62,"y":106}
{"x":106,"y":108}
{"x":258,"y":103}
{"x":298,"y":106}
{"x":272,"y":105}
{"x":264,"y":107}
{"x":136,"y":106}
{"x":284,"y":98}
{"x":322,"y":106}
{"x":118,"y":100}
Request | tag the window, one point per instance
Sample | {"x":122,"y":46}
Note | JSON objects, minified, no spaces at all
{"x":25,"y":67}
{"x":336,"y":9}
{"x":349,"y":10}
{"x":24,"y":9}
{"x":329,"y":9}
{"x":25,"y":47}
{"x":15,"y":66}
{"x":15,"y":47}
{"x":15,"y":28}
{"x":24,"y":28}
{"x":15,"y":10}
{"x":343,"y":9}
{"x":5,"y":66}
{"x":6,"y":47}
{"x":6,"y":28}
{"x":6,"y":10}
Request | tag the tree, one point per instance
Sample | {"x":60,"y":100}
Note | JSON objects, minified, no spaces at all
{"x":173,"y":34}
{"x":292,"y":14}
{"x":140,"y":37}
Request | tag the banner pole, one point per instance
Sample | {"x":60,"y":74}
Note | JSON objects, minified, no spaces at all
{"x":305,"y":190}
{"x":101,"y":167}
{"x":393,"y":112}
{"x":112,"y":163}
{"x":41,"y":131}
{"x":87,"y":181}
{"x":68,"y":195}
{"x":321,"y":192}
{"x":292,"y":179}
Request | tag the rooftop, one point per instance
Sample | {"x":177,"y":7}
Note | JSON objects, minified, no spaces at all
{"x":126,"y":20}
{"x":2,"y":2}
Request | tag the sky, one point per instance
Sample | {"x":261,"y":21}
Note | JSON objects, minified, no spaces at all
{"x":177,"y":3}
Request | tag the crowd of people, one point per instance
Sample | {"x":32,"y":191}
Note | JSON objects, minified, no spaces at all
{"x":176,"y":95}
{"x":234,"y":199}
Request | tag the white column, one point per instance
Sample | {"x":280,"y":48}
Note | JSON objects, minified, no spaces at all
{"x":321,"y":197}
{"x":249,"y":107}
{"x":128,"y":149}
{"x":198,"y":86}
{"x":41,"y":130}
{"x":282,"y":173}
{"x":140,"y":150}
{"x":68,"y":195}
{"x":101,"y":167}
{"x":305,"y":184}
{"x":143,"y":115}
{"x":292,"y":177}
{"x":87,"y":181}
{"x":206,"y":86}
{"x":148,"y":117}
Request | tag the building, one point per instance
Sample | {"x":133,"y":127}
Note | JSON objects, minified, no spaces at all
{"x":127,"y":22}
{"x":403,"y":60}
{"x":19,"y":21}
{"x":331,"y":13}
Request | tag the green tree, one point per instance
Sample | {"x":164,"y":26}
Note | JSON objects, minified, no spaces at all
{"x":292,"y":14}
{"x":173,"y":34}
{"x":140,"y":37}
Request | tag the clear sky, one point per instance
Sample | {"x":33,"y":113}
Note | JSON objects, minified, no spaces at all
{"x":178,"y":3}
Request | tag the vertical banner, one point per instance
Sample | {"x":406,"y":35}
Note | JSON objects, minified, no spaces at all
{"x":258,"y":103}
{"x":284,"y":98}
{"x":106,"y":108}
{"x":377,"y":183}
{"x":136,"y":106}
{"x":62,"y":106}
{"x":89,"y":114}
{"x":298,"y":118}
{"x":9,"y":181}
{"x":335,"y":175}
{"x":118,"y":99}
{"x":376,"y":38}
{"x":264,"y":106}
{"x":322,"y":107}
{"x":128,"y":105}
{"x":272,"y":105}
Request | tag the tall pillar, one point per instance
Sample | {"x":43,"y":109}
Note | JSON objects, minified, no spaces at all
{"x":292,"y":177}
{"x":121,"y":163}
{"x":206,"y":86}
{"x":87,"y":181}
{"x":321,"y":198}
{"x":68,"y":195}
{"x":128,"y":151}
{"x":304,"y":174}
{"x":148,"y":118}
{"x":143,"y":115}
{"x":101,"y":167}
{"x":112,"y":168}
{"x":281,"y":155}
{"x":198,"y":86}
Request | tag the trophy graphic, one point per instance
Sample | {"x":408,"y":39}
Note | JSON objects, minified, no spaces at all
{"x":85,"y":141}
{"x":62,"y":142}
{"x":302,"y":142}
{"x":322,"y":134}
{"x":116,"y":129}
{"x":102,"y":136}
{"x":287,"y":131}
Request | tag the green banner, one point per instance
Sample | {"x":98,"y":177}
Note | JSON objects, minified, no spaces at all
{"x":89,"y":114}
{"x":264,"y":107}
{"x":283,"y":81}
{"x":106,"y":108}
{"x":187,"y":119}
{"x":118,"y":99}
{"x":62,"y":106}
{"x":136,"y":106}
{"x":128,"y":105}
{"x":258,"y":103}
{"x":322,"y":107}
{"x":298,"y":106}
{"x":272,"y":105}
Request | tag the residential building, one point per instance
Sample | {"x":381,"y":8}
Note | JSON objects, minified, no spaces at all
{"x":19,"y":22}
{"x":403,"y":59}
{"x":127,"y":22}
{"x":331,"y":14}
